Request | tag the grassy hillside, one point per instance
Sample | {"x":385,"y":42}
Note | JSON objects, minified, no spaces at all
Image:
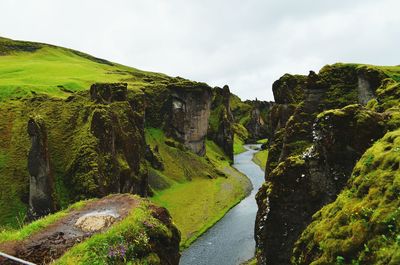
{"x":27,"y":68}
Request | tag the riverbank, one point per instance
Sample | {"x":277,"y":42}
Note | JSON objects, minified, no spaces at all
{"x":231,"y":239}
{"x":197,"y":204}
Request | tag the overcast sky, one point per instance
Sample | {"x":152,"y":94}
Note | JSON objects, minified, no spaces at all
{"x":245,"y":44}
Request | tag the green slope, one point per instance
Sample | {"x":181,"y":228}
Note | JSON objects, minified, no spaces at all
{"x":27,"y":68}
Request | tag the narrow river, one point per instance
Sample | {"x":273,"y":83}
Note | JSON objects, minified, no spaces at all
{"x":231,"y":240}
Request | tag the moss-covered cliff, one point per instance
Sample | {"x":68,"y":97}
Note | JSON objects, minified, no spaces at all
{"x":322,"y":124}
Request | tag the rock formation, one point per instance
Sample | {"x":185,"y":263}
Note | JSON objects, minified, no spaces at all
{"x":151,"y":237}
{"x":113,"y":161}
{"x":41,"y":186}
{"x":190,"y":108}
{"x":258,"y":124}
{"x":221,"y":120}
{"x":311,"y":153}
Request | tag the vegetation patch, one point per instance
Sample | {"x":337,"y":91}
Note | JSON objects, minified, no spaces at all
{"x":260,"y":158}
{"x":200,"y":189}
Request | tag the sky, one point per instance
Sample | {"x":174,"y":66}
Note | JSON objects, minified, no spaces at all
{"x":245,"y":44}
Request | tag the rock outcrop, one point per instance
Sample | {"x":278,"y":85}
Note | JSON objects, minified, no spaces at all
{"x":362,"y":225}
{"x":221,"y":120}
{"x":258,"y":124}
{"x":140,"y":231}
{"x":41,"y":186}
{"x":190,"y":107}
{"x":114,"y":160}
{"x":311,"y":153}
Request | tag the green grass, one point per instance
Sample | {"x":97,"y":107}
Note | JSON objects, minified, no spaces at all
{"x":238,"y":145}
{"x":136,"y":233}
{"x":55,"y":71}
{"x":260,"y":158}
{"x":262,"y":141}
{"x":38,"y":225}
{"x":201,"y":190}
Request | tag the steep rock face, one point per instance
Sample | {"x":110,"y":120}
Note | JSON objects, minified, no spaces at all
{"x":362,"y":225}
{"x":311,"y":155}
{"x":41,"y":186}
{"x":221,"y":120}
{"x":114,"y":161}
{"x":95,"y":145}
{"x":190,"y":109}
{"x":368,"y":81}
{"x":258,"y":124}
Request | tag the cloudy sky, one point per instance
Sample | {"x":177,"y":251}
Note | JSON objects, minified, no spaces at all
{"x":245,"y":44}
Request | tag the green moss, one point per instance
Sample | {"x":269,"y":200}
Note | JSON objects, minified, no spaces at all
{"x":362,"y":225}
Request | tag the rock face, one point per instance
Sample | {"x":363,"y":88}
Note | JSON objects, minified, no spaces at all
{"x":350,"y":230}
{"x":190,"y":109}
{"x":221,"y":120}
{"x":368,"y":81}
{"x":114,"y":158}
{"x":258,"y":124}
{"x":41,"y":187}
{"x":311,"y":153}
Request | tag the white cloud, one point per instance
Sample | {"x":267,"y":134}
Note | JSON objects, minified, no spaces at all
{"x":246,"y":44}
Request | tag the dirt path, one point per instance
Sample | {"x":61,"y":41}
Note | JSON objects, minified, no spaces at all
{"x":52,"y":242}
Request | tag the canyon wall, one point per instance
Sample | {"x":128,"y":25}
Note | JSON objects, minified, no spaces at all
{"x":321,"y":127}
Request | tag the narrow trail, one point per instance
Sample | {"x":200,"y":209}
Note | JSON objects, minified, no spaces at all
{"x":231,"y":240}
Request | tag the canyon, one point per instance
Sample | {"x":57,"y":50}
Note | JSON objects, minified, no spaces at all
{"x":163,"y":148}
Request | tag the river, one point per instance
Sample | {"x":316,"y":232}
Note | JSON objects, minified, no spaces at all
{"x":231,"y":240}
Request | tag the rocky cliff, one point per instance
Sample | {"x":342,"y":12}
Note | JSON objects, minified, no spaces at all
{"x":322,"y":125}
{"x":41,"y":183}
{"x":258,"y":124}
{"x":88,"y":145}
{"x":221,"y":121}
{"x":190,"y":107}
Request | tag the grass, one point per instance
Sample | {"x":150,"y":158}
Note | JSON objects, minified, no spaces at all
{"x":138,"y":234}
{"x":29,"y":229}
{"x":56,"y":71}
{"x":260,"y":158}
{"x":201,"y":190}
{"x":262,"y":141}
{"x":238,"y":145}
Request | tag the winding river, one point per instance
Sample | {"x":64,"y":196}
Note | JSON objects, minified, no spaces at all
{"x":231,"y":240}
